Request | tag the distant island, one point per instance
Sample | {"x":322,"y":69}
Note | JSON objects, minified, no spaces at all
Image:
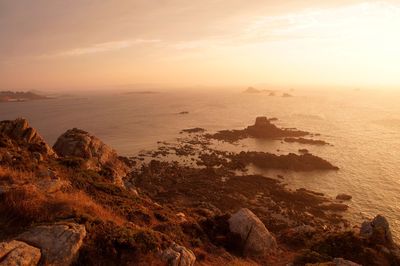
{"x":254,"y":90}
{"x":20,"y":96}
{"x":140,"y":92}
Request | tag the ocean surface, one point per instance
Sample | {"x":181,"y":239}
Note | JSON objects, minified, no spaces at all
{"x":363,"y":126}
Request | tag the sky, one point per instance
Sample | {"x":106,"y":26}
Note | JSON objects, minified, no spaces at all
{"x":50,"y":44}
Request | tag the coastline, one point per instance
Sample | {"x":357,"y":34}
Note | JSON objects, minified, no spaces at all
{"x":161,"y":202}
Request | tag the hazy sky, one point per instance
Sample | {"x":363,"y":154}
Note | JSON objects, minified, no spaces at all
{"x":86,"y":43}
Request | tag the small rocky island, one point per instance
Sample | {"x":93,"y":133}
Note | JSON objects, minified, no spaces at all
{"x":80,"y":203}
{"x":262,"y":129}
{"x":20,"y":96}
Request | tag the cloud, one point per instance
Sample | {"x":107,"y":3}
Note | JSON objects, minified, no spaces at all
{"x":101,"y":48}
{"x":338,"y":22}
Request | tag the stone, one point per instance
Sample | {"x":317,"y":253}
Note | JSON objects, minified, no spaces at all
{"x":19,"y":130}
{"x":343,"y":196}
{"x":97,"y":155}
{"x":255,"y":236}
{"x":177,"y":255}
{"x":59,"y":243}
{"x":18,"y":253}
{"x":377,"y":230}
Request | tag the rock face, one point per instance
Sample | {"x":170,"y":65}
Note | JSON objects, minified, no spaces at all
{"x":58,"y":243}
{"x":20,"y":131}
{"x":97,"y":155}
{"x":18,"y":253}
{"x":178,"y":256}
{"x":377,"y":230}
{"x":255,"y":236}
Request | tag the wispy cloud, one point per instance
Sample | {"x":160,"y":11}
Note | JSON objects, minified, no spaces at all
{"x":337,"y":22}
{"x":101,"y":47}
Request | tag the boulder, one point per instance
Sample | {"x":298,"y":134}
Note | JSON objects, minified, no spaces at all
{"x":18,"y":253}
{"x":178,"y":256}
{"x":59,"y":243}
{"x":20,"y":131}
{"x":255,"y":236}
{"x":377,"y":230}
{"x":97,"y":155}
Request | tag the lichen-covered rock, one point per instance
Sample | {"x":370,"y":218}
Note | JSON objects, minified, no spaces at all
{"x":377,"y":230}
{"x":18,"y":253}
{"x":20,"y":131}
{"x":59,"y":243}
{"x":255,"y":236}
{"x":97,"y":155}
{"x":178,"y":256}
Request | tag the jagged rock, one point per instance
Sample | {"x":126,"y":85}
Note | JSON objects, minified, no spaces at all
{"x":20,"y":131}
{"x":255,"y":236}
{"x":59,"y":243}
{"x":97,"y":155}
{"x":335,"y":262}
{"x":178,"y":256}
{"x":18,"y":253}
{"x":343,"y":196}
{"x":377,"y":230}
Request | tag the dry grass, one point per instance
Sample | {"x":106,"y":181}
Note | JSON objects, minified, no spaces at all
{"x":9,"y":176}
{"x":27,"y":204}
{"x":80,"y":202}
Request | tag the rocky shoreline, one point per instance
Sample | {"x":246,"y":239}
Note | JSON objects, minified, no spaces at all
{"x":183,"y":204}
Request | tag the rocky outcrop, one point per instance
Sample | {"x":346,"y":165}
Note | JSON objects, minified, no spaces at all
{"x":306,"y":141}
{"x":19,"y":130}
{"x":291,"y":161}
{"x":59,"y":243}
{"x":18,"y":253}
{"x":262,"y":129}
{"x":178,"y":256}
{"x":377,"y":230}
{"x":97,"y":155}
{"x":255,"y":236}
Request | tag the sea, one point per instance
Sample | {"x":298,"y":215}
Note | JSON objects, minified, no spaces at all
{"x":363,"y":127}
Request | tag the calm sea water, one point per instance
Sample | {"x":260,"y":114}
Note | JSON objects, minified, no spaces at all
{"x":363,"y":126}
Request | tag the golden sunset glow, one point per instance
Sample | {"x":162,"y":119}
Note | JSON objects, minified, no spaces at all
{"x":297,"y":43}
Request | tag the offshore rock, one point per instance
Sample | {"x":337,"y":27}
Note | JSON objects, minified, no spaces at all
{"x":377,"y":230}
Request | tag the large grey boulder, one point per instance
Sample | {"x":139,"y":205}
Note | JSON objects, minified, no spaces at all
{"x":18,"y":253}
{"x":96,"y":154}
{"x":255,"y":236}
{"x":178,"y":256}
{"x":59,"y":243}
